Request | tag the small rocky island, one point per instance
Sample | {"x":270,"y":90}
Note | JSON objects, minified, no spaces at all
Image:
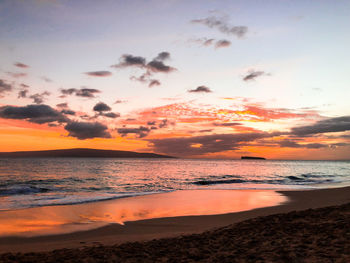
{"x":252,"y":158}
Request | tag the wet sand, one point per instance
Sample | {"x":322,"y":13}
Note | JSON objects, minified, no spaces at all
{"x":292,"y":235}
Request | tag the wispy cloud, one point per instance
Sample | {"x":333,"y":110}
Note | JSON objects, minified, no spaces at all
{"x":222,"y":25}
{"x":207,"y":42}
{"x":99,"y":73}
{"x":21,"y":65}
{"x":253,"y":74}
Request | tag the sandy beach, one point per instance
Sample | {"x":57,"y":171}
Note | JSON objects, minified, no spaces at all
{"x":293,"y":226}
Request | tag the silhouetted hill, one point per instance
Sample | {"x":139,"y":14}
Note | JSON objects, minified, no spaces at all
{"x":252,"y":158}
{"x":81,"y":152}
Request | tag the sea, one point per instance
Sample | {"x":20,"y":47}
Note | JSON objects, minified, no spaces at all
{"x":35,"y":182}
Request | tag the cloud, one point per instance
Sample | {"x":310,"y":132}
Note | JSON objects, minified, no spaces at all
{"x":22,"y":93}
{"x":227,"y":124}
{"x":156,"y":65}
{"x":83,"y":92}
{"x":252,"y":75}
{"x":120,"y":101}
{"x":111,"y":115}
{"x":62,"y":105}
{"x":128,"y":60}
{"x":87,"y":130}
{"x":100,"y":107}
{"x":21,"y":65}
{"x":198,"y":145}
{"x":222,"y":25}
{"x":338,"y":124}
{"x":292,"y":144}
{"x":140,"y":132}
{"x":17,"y":74}
{"x":163,"y":123}
{"x":159,"y":66}
{"x":4,"y":87}
{"x":222,"y":43}
{"x":99,"y":73}
{"x":207,"y":42}
{"x":33,"y":113}
{"x":39,"y":98}
{"x":200,"y":89}
{"x":162,"y":56}
{"x":153,"y":83}
{"x":46,"y":79}
{"x":68,"y":112}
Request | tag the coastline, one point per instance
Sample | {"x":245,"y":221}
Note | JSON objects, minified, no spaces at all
{"x":149,"y":229}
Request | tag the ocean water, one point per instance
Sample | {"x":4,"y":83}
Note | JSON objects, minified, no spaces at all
{"x":60,"y":181}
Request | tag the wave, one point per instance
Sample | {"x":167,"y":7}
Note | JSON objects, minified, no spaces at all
{"x":290,"y":180}
{"x":68,"y":200}
{"x":22,"y":190}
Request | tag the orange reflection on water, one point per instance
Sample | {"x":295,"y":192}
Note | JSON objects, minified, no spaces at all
{"x":70,"y":218}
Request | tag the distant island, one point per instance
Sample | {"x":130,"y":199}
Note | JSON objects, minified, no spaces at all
{"x":82,"y":153}
{"x":252,"y":158}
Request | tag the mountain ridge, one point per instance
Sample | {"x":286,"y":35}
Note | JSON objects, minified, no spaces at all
{"x":80,"y":153}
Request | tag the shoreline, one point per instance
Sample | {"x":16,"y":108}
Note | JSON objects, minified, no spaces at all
{"x":166,"y":227}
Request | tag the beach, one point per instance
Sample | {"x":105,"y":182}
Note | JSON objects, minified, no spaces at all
{"x":312,"y":223}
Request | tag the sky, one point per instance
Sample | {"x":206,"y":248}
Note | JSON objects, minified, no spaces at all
{"x":192,"y":79}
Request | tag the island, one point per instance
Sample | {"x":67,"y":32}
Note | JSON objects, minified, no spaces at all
{"x":80,"y":153}
{"x":252,"y":158}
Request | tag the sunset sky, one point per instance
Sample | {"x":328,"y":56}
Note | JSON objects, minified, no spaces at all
{"x":193,"y":79}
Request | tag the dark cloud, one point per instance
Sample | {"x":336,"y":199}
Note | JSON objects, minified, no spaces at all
{"x":200,"y":89}
{"x":140,"y":132}
{"x":197,"y":145}
{"x":4,"y":87}
{"x":100,"y":107}
{"x":162,"y":56}
{"x":163,"y":123}
{"x":99,"y":73}
{"x":34,"y":113}
{"x":83,"y":92}
{"x":62,"y":105}
{"x":292,"y":144}
{"x":111,"y":115}
{"x":151,"y":123}
{"x":159,"y":66}
{"x":222,"y":25}
{"x":152,"y":67}
{"x":23,"y":93}
{"x":21,"y":65}
{"x":339,"y":124}
{"x":87,"y":130}
{"x":227,"y":124}
{"x":39,"y":98}
{"x":68,"y":112}
{"x":222,"y":43}
{"x":128,"y":60}
{"x":252,"y":75}
{"x":153,"y":82}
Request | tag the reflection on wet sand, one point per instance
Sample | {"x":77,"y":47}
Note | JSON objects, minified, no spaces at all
{"x":70,"y":218}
